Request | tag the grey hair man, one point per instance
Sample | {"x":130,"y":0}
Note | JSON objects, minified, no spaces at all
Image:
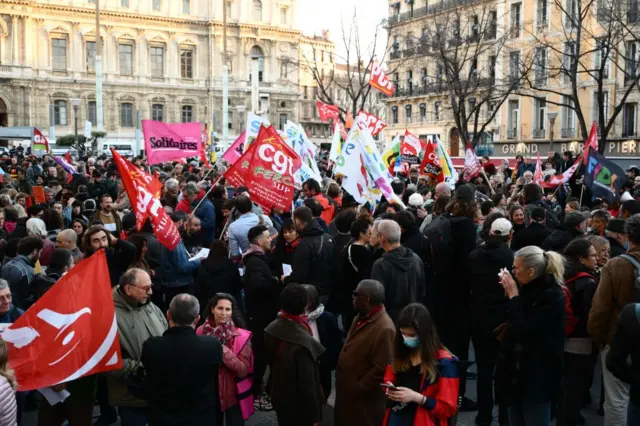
{"x":8,"y":312}
{"x":184,"y":311}
{"x":400,"y":270}
{"x":68,"y":239}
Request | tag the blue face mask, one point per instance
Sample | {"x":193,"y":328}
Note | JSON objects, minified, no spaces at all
{"x":411,"y":342}
{"x":626,"y":245}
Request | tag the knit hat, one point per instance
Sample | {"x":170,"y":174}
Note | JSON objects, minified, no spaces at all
{"x":416,"y":200}
{"x":464,"y":193}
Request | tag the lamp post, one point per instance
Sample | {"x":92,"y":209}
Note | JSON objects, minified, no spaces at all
{"x":76,"y":103}
{"x":551,"y":115}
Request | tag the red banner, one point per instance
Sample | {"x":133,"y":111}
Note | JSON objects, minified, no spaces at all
{"x":374,"y":124}
{"x":327,"y":112}
{"x":538,"y":176}
{"x":70,"y":332}
{"x":431,"y":164}
{"x":267,"y":169}
{"x":379,"y":80}
{"x":410,"y":148}
{"x":144,"y":192}
{"x":592,"y":141}
{"x":557,"y":180}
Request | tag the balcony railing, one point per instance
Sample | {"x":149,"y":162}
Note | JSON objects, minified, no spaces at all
{"x":541,"y":79}
{"x":568,"y":132}
{"x":396,"y":54}
{"x":512,"y":133}
{"x":431,"y":9}
{"x":538,"y":133}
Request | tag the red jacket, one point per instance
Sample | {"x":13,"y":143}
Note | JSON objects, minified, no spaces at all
{"x":442,"y":396}
{"x":328,"y":206}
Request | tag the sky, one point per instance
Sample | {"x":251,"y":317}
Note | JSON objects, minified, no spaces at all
{"x":315,"y":15}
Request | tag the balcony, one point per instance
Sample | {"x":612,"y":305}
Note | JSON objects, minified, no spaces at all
{"x":512,"y":133}
{"x":514,"y":81}
{"x":431,"y":9}
{"x":568,"y":132}
{"x":538,"y":133}
{"x":541,"y":79}
{"x":542,"y":24}
{"x":396,"y":54}
{"x":491,"y":32}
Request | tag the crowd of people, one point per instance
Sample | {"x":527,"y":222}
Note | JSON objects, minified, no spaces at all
{"x":386,"y":299}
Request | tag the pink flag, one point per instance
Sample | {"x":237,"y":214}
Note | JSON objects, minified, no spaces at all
{"x":236,"y":149}
{"x":592,"y":141}
{"x":170,"y":141}
{"x":472,"y":166}
{"x":564,"y":177}
{"x":537,"y":176}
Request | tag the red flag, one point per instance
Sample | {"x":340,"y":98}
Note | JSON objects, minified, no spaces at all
{"x":472,"y":166}
{"x":144,"y":192}
{"x":378,"y":80}
{"x":564,"y":177}
{"x":537,"y":176}
{"x":592,"y":141}
{"x":40,"y":142}
{"x":374,"y":124}
{"x":327,"y":112}
{"x":411,"y":148}
{"x":70,"y":332}
{"x":431,"y":164}
{"x":267,"y":169}
{"x":67,"y":157}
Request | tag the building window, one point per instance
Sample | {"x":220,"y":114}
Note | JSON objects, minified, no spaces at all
{"x":602,"y":61}
{"x":230,"y":120}
{"x":436,"y":111}
{"x":596,"y":106}
{"x":186,"y":63}
{"x":92,"y":112}
{"x":124,"y":3}
{"x":410,"y":82}
{"x":492,"y":27}
{"x":514,"y":67}
{"x":257,"y":10}
{"x":513,"y":118}
{"x":283,"y":120}
{"x":423,"y":112}
{"x":492,"y":70}
{"x":157,"y":61}
{"x":631,"y":61}
{"x":91,"y":1}
{"x":541,"y":15}
{"x":157,"y":5}
{"x":633,"y":7}
{"x":126,"y":115}
{"x":228,"y":9}
{"x":573,"y":14}
{"x":186,"y":7}
{"x":394,"y":115}
{"x":515,"y":20}
{"x":187,"y":114}
{"x":568,"y":117}
{"x":91,"y":56}
{"x":568,"y":60}
{"x":407,"y":113}
{"x":256,"y":53}
{"x":629,"y":119}
{"x":59,"y":54}
{"x":540,"y":113}
{"x":125,"y":52}
{"x":283,"y":16}
{"x":157,"y":112}
{"x":541,"y":66}
{"x":60,"y":113}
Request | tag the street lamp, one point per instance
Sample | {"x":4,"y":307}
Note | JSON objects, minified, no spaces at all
{"x":551,"y":115}
{"x":75,"y":102}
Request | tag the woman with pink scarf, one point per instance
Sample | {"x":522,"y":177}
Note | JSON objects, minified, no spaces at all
{"x":224,"y":322}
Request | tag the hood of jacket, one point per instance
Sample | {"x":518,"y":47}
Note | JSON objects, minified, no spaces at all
{"x":253,"y":250}
{"x":313,"y":229}
{"x":292,"y":332}
{"x":121,"y":300}
{"x":400,"y":257}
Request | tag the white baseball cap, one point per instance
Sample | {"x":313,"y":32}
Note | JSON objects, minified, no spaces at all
{"x":501,"y":227}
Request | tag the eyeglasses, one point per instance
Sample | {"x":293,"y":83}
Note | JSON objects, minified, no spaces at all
{"x":145,"y":289}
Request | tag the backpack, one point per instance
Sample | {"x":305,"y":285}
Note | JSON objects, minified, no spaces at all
{"x":571,"y":320}
{"x":437,"y":245}
{"x":636,"y":276}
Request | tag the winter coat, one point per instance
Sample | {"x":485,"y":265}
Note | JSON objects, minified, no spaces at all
{"x":328,"y":205}
{"x":207,"y":215}
{"x":181,"y":377}
{"x":136,"y":324}
{"x":614,"y":292}
{"x":8,"y":406}
{"x":616,"y":248}
{"x":532,"y":235}
{"x":123,"y":253}
{"x":560,"y":238}
{"x":313,"y":260}
{"x":261,"y":289}
{"x":217,"y":276}
{"x":625,"y":345}
{"x":154,"y":253}
{"x":360,"y":401}
{"x":488,"y":302}
{"x":19,"y":273}
{"x":530,"y":362}
{"x":401,"y":272}
{"x":356,"y":264}
{"x":176,"y":268}
{"x":582,"y":291}
{"x":292,"y":355}
{"x":412,"y":239}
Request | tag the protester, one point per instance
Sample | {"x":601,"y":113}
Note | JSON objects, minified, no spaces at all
{"x":292,"y":355}
{"x":603,"y":248}
{"x":574,"y":226}
{"x":37,"y":228}
{"x":423,"y":374}
{"x":364,"y":357}
{"x":286,"y":243}
{"x":205,"y":212}
{"x":107,"y":216}
{"x":238,"y":242}
{"x":217,"y":274}
{"x":311,"y":189}
{"x":19,"y":271}
{"x":617,"y":237}
{"x":186,"y":395}
{"x":535,"y":233}
{"x":411,"y":237}
{"x":120,"y":253}
{"x":8,"y":407}
{"x":68,"y":239}
{"x":192,"y":236}
{"x":532,"y":339}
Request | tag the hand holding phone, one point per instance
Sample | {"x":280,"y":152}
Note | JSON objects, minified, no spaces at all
{"x":388,"y":385}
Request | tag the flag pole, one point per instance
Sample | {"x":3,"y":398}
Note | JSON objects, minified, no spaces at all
{"x":488,"y":182}
{"x":206,"y":193}
{"x":581,"y":193}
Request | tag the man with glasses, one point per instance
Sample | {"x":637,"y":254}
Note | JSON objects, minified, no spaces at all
{"x":138,"y":319}
{"x":8,"y":312}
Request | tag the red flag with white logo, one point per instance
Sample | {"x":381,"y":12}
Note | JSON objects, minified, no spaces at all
{"x":557,"y":180}
{"x":472,"y":166}
{"x":537,"y":176}
{"x":144,"y":192}
{"x":374,"y":124}
{"x":70,"y":332}
{"x":378,"y":80}
{"x":267,"y":170}
{"x":592,"y":141}
{"x":431,"y":163}
{"x":411,"y":148}
{"x":327,"y":112}
{"x":40,"y":142}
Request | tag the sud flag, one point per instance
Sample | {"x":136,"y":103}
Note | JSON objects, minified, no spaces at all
{"x":70,"y":332}
{"x":472,"y":166}
{"x":327,"y":112}
{"x":378,"y":80}
{"x":412,"y":148}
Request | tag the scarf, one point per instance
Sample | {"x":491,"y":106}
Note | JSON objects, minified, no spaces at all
{"x":290,"y":247}
{"x":223,"y":332}
{"x":300,"y":319}
{"x":362,"y":320}
{"x":312,"y":316}
{"x":253,"y":249}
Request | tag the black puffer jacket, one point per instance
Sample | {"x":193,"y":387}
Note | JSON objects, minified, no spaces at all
{"x":412,"y":239}
{"x":532,"y":235}
{"x":582,"y":291}
{"x":261,"y":289}
{"x":401,"y":272}
{"x":313,"y":259}
{"x":217,"y":276}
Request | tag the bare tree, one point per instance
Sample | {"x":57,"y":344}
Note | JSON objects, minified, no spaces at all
{"x":597,"y":49}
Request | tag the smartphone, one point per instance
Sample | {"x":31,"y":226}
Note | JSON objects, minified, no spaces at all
{"x":388,"y":385}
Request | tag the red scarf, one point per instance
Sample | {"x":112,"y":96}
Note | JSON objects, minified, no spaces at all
{"x":222,"y":332}
{"x":300,"y":319}
{"x":362,"y":320}
{"x":290,"y":248}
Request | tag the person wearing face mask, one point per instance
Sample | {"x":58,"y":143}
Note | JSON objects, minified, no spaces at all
{"x":580,"y":286}
{"x":529,"y":366}
{"x":367,"y":350}
{"x":225,"y":323}
{"x":421,"y":381}
{"x":120,"y":253}
{"x":616,"y":236}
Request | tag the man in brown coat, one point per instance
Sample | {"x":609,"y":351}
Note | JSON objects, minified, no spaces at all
{"x":360,"y":400}
{"x":614,"y":292}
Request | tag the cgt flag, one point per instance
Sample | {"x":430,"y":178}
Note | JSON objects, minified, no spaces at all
{"x":431,"y":163}
{"x":70,"y":332}
{"x":603,"y":177}
{"x":144,"y":192}
{"x":327,"y":112}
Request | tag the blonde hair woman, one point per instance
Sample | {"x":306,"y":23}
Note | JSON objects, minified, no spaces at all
{"x":8,"y":385}
{"x":529,"y":369}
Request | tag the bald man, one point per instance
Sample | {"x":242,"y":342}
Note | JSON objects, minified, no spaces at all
{"x":68,"y":239}
{"x":442,"y":188}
